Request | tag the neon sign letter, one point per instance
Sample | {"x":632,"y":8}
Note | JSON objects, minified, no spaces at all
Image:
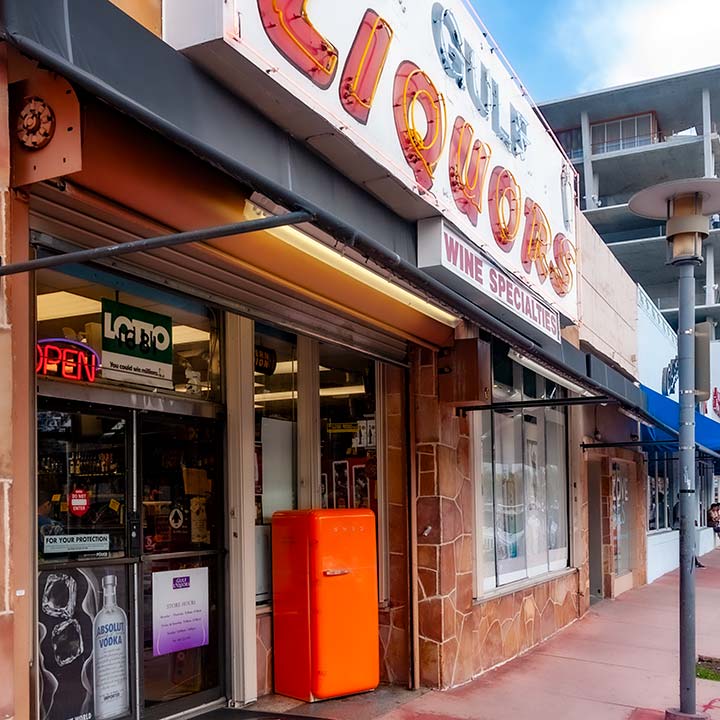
{"x":291,"y":32}
{"x":448,"y":43}
{"x":364,"y":66}
{"x":422,"y":151}
{"x":536,"y":240}
{"x":468,"y":168}
{"x":561,"y":274}
{"x":504,"y":207}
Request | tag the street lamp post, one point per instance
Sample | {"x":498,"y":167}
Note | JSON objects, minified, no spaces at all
{"x":685,"y":205}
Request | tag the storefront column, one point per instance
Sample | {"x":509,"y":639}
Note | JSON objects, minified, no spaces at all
{"x":239,"y":361}
{"x":17,"y":510}
{"x":579,"y":507}
{"x":394,"y":615}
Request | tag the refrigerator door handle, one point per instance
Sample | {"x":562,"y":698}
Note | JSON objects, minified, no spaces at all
{"x":336,"y":573}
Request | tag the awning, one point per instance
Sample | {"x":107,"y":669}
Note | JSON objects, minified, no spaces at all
{"x":665,"y":414}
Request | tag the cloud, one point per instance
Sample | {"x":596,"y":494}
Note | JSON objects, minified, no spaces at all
{"x":631,"y":40}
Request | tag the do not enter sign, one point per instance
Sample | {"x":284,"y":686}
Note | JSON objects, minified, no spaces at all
{"x":79,"y":502}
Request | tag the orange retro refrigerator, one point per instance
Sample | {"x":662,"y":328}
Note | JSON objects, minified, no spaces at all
{"x":325,"y":603}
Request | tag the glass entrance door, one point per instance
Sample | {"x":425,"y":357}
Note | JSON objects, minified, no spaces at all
{"x":181,"y":485}
{"x":622,"y":526}
{"x":130,"y":560}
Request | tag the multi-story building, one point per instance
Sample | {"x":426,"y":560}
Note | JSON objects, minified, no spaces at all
{"x":622,"y":140}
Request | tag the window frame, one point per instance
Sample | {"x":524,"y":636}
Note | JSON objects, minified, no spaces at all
{"x":483,"y":584}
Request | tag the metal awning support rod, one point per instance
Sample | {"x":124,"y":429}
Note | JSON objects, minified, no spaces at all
{"x":154,"y":243}
{"x":627,"y":443}
{"x":540,"y":403}
{"x":707,"y":452}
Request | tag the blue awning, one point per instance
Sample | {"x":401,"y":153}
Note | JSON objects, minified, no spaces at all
{"x":665,"y":414}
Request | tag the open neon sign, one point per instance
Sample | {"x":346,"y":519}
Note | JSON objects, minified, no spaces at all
{"x":68,"y":359}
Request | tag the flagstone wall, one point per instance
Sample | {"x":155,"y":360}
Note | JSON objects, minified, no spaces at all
{"x":460,"y":636}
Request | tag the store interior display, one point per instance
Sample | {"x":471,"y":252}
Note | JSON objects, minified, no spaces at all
{"x":180,"y":469}
{"x":72,"y":328}
{"x":348,"y":440}
{"x":82,"y":480}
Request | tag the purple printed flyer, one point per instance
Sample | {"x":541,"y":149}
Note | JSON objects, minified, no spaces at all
{"x":179,"y":610}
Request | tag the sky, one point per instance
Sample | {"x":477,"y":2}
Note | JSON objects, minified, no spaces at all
{"x":561,"y":48}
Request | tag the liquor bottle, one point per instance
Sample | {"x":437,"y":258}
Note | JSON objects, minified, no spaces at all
{"x":111,"y":691}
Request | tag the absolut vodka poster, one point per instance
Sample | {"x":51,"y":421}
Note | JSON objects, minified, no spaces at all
{"x":83,"y":636}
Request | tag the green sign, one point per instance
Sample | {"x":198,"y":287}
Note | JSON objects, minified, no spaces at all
{"x":136,"y":345}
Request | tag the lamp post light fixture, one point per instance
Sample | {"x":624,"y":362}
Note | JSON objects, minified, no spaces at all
{"x":685,"y":205}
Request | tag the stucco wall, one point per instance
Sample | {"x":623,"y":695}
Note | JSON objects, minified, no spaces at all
{"x":607,"y":299}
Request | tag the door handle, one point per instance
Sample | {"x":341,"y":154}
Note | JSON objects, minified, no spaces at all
{"x":335,"y":573}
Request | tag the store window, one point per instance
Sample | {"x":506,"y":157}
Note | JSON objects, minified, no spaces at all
{"x":348,"y":430}
{"x":97,"y":328}
{"x":622,"y":524}
{"x":520,"y":472}
{"x":276,"y":402}
{"x":662,"y":490}
{"x":336,"y":387}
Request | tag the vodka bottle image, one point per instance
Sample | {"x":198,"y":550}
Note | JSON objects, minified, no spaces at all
{"x":111,"y":691}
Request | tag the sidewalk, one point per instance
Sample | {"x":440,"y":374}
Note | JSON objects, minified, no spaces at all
{"x":619,"y":661}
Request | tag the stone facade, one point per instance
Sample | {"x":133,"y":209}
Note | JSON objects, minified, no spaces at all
{"x":461,"y":637}
{"x":264,"y":641}
{"x":394,"y":636}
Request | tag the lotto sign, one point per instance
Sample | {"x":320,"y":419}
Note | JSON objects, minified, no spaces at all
{"x":79,"y":502}
{"x":136,"y":345}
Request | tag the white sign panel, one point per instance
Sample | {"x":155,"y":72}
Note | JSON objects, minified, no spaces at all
{"x":180,"y":610}
{"x":76,"y":543}
{"x":449,"y":258}
{"x":657,"y":349}
{"x":413,"y":93}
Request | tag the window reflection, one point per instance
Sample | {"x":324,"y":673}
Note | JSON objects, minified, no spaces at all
{"x":348,"y":455}
{"x":276,"y":373}
{"x":75,"y":309}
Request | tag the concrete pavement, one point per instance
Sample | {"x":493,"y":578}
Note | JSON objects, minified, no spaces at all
{"x":618,"y":662}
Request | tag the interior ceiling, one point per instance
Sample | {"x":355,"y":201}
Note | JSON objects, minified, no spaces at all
{"x":48,"y":281}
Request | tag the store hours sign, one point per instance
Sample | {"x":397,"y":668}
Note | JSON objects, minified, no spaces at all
{"x":136,"y":345}
{"x":410,"y":100}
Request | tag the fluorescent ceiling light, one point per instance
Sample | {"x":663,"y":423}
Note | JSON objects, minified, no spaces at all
{"x":549,"y":374}
{"x":300,"y":240}
{"x":324,"y":392}
{"x":288,"y":367}
{"x":62,"y":304}
{"x":185,"y":334}
{"x":342,"y":391}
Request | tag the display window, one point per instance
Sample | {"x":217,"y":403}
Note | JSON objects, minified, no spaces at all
{"x":336,"y":386}
{"x":130,"y":498}
{"x":97,"y":328}
{"x":348,"y":431}
{"x":520,"y":478}
{"x":275,"y":477}
{"x":129,"y":506}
